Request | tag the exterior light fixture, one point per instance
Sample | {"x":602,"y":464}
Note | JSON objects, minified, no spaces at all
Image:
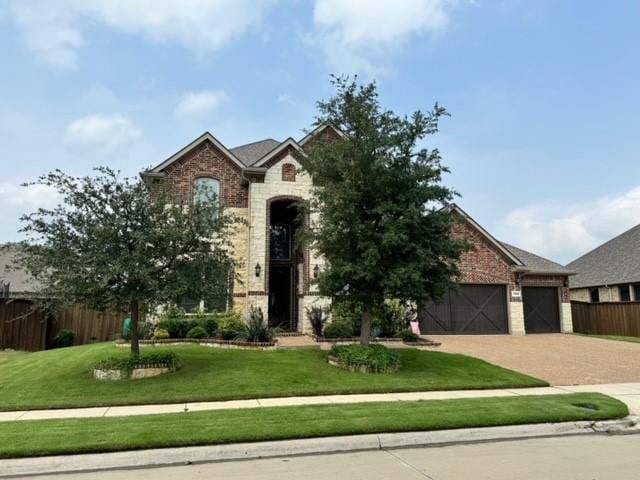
{"x":316,"y":271}
{"x":258,"y":269}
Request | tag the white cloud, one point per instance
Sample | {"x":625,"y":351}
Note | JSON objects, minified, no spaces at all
{"x":54,"y":31}
{"x":17,"y":201}
{"x":102,"y":134}
{"x":565,"y":231}
{"x":354,"y":34}
{"x":194,"y":104}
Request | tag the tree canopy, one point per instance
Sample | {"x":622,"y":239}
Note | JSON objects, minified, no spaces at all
{"x":382,"y":223}
{"x":119,"y":244}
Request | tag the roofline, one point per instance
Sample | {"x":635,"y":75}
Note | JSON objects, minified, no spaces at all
{"x":319,"y":129}
{"x":490,"y":237}
{"x":602,"y":245}
{"x":289,"y":142}
{"x":608,"y":285}
{"x":198,"y":141}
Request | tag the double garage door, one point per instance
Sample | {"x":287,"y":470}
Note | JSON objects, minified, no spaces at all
{"x":482,"y":309}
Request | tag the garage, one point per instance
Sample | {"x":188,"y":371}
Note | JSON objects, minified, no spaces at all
{"x":541,"y":310}
{"x":468,"y":309}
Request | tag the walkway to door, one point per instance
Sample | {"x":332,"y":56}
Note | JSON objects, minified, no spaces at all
{"x":561,"y":359}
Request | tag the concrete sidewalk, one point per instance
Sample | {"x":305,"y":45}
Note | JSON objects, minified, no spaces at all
{"x":629,"y":393}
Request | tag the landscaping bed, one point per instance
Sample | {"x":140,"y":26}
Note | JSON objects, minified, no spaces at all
{"x":91,"y":435}
{"x":63,"y":378}
{"x":205,"y":342}
{"x":327,"y":343}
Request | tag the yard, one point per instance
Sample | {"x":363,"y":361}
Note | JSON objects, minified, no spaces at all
{"x":55,"y":437}
{"x":63,"y":378}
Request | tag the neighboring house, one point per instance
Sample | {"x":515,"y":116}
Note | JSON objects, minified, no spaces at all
{"x":14,"y":282}
{"x":609,"y":273}
{"x":503,"y":290}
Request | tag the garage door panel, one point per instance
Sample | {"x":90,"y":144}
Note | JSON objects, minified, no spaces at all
{"x":541,"y":310}
{"x":468,"y":309}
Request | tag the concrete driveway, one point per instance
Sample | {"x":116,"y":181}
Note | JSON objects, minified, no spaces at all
{"x":560,"y":359}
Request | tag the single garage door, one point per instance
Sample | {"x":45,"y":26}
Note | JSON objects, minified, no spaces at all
{"x":541,"y":311}
{"x":469,"y":309}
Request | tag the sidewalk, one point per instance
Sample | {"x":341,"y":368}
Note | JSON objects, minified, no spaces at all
{"x":628,"y":393}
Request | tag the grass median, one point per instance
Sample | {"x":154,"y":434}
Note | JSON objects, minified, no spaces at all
{"x":57,"y":437}
{"x":63,"y":378}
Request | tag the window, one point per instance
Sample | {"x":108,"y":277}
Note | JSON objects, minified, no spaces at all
{"x":206,"y":190}
{"x":189,"y":305}
{"x":594,"y":294}
{"x":280,"y":242}
{"x":625,"y":293}
{"x":636,"y":292}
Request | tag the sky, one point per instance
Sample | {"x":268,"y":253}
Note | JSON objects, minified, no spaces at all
{"x":543,"y":140}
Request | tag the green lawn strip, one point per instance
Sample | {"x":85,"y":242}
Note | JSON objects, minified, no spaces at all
{"x":63,"y":378}
{"x":56,"y":437}
{"x":620,"y":338}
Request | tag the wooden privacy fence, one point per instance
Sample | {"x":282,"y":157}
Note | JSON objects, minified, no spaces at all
{"x":609,"y":318}
{"x":21,"y":328}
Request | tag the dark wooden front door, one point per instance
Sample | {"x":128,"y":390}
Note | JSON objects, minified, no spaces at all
{"x":541,"y":310}
{"x":470,"y":309}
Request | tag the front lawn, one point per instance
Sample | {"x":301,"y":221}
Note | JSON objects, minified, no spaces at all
{"x":63,"y":378}
{"x":56,"y":437}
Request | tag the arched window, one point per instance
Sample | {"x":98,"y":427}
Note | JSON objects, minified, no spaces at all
{"x":206,"y":190}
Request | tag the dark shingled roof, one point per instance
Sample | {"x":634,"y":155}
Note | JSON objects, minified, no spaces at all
{"x":614,"y":262}
{"x":535,"y":263}
{"x":252,"y":152}
{"x":20,"y":282}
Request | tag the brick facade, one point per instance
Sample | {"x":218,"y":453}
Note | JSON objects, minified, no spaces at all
{"x":208,"y":161}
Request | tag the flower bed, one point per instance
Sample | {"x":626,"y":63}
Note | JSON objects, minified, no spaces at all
{"x":150,"y":364}
{"x":326,"y":343}
{"x":205,"y":342}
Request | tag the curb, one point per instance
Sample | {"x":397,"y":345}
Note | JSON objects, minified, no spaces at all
{"x":285,"y":448}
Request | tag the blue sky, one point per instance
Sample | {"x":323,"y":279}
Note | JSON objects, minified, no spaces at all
{"x":543,"y":140}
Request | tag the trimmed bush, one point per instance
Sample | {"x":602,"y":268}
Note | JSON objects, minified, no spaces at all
{"x":177,"y":327}
{"x":409,"y":336}
{"x":128,"y":364}
{"x":197,"y":332}
{"x":391,"y":319}
{"x":64,"y":338}
{"x":161,"y":334}
{"x":338,"y":329}
{"x":370,"y":358}
{"x":231,"y":327}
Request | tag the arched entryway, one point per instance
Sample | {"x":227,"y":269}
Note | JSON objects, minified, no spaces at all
{"x":285,"y":263}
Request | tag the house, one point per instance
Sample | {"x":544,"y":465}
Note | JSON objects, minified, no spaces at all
{"x":609,"y":273}
{"x":503,"y":289}
{"x":14,"y":282}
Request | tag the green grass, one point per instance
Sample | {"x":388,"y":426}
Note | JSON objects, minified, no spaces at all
{"x":63,"y":378}
{"x":55,"y":437}
{"x":619,"y":338}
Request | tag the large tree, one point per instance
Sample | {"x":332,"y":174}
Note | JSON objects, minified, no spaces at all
{"x":119,"y":244}
{"x":382,"y":223}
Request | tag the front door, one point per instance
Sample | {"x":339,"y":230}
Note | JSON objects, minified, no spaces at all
{"x":281,"y":296}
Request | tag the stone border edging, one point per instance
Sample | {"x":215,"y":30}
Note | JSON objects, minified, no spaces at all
{"x":246,"y":451}
{"x":422,"y":342}
{"x":205,"y":342}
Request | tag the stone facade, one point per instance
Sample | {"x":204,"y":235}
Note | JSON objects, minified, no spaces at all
{"x":607,"y":294}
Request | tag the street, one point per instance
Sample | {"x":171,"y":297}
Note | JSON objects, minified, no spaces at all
{"x":590,"y":457}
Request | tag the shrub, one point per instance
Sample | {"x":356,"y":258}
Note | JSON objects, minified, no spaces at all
{"x":338,"y":329}
{"x":317,"y":317}
{"x":208,"y":322}
{"x":64,"y":338}
{"x":231,"y":326}
{"x":257,"y":330}
{"x":129,"y":363}
{"x":391,"y":319}
{"x":409,"y":336}
{"x":161,"y":334}
{"x":348,"y":313}
{"x":370,"y":358}
{"x":176,"y":327}
{"x":197,"y":332}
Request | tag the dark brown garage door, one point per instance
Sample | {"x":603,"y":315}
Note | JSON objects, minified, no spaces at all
{"x":470,"y":309}
{"x":541,"y":312}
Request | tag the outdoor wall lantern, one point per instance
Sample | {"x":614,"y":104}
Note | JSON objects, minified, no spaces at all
{"x":316,"y":271}
{"x":258,"y":269}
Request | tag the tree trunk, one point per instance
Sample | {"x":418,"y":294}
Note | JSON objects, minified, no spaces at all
{"x":365,"y":327}
{"x":135,"y":316}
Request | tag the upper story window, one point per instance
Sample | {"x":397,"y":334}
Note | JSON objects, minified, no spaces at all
{"x":594,"y":295}
{"x":206,"y":190}
{"x":288,"y":172}
{"x":625,"y":293}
